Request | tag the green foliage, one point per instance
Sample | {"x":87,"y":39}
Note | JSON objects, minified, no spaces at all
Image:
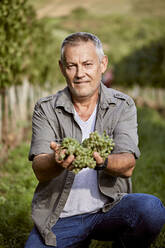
{"x":150,"y":166}
{"x":16,"y":21}
{"x":100,"y":244}
{"x":31,"y":47}
{"x":27,"y":46}
{"x":135,"y":46}
{"x":44,"y":55}
{"x":144,"y":67}
{"x":17,"y":183}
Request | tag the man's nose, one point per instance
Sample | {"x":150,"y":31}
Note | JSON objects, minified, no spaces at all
{"x":80,"y":72}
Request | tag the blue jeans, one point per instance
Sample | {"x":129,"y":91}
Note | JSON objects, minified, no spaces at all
{"x":135,"y":221}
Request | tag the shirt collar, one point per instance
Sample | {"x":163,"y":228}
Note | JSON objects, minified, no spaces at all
{"x":106,"y":97}
{"x":64,"y":98}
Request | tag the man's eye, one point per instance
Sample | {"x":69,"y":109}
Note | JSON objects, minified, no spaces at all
{"x":88,"y":64}
{"x":70,"y":66}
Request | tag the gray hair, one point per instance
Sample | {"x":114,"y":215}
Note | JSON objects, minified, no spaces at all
{"x":74,"y":38}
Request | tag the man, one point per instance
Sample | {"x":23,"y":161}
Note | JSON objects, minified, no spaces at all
{"x":69,"y":210}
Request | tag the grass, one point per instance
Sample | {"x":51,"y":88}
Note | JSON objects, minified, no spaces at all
{"x":17,"y":182}
{"x":149,"y":176}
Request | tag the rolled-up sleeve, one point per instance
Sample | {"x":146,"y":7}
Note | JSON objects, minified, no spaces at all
{"x":125,"y":132}
{"x":42,"y":133}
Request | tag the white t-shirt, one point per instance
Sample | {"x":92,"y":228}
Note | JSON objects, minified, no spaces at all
{"x":84,"y":196}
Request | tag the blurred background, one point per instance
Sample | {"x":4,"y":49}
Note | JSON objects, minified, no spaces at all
{"x":31,"y":32}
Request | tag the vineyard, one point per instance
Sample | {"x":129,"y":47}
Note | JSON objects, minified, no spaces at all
{"x":30,"y":47}
{"x":31,"y":32}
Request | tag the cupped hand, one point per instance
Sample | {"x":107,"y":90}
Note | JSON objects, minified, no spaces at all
{"x":98,"y":158}
{"x":60,"y":159}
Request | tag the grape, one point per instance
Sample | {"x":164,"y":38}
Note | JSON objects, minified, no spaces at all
{"x":84,"y":152}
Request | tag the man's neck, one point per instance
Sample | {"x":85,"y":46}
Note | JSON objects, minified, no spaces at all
{"x":86,"y":107}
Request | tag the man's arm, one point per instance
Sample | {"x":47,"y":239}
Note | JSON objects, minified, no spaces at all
{"x":120,"y":165}
{"x":45,"y":168}
{"x":43,"y":152}
{"x":123,"y":158}
{"x":48,"y":166}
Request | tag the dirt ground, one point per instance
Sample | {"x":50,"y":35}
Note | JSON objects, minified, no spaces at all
{"x":54,"y":8}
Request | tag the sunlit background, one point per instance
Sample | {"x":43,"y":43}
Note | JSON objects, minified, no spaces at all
{"x":31,"y":32}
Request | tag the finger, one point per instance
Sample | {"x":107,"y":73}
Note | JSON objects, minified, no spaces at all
{"x":70,"y":167}
{"x":60,"y":155}
{"x":98,"y":158}
{"x":68,"y":162}
{"x":54,"y":146}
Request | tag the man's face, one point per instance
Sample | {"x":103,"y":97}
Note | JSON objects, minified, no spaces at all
{"x":82,"y":69}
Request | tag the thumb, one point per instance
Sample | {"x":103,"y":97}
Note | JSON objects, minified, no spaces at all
{"x":98,"y":158}
{"x":53,"y":145}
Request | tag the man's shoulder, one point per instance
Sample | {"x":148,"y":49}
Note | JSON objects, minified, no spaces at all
{"x":122,"y":96}
{"x":50,"y":98}
{"x":119,"y":95}
{"x":45,"y":99}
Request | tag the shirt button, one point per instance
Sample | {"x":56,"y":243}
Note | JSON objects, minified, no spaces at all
{"x":51,"y":220}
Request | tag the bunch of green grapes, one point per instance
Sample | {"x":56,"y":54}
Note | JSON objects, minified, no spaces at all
{"x":84,"y":152}
{"x":99,"y":143}
{"x":83,"y":156}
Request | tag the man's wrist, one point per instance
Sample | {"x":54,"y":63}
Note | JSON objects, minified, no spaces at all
{"x":102,"y":166}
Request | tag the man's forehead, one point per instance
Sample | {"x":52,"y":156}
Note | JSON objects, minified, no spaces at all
{"x":88,"y":45}
{"x":80,"y":43}
{"x":72,"y":50}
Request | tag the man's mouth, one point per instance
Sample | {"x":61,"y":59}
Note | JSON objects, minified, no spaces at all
{"x":80,"y":82}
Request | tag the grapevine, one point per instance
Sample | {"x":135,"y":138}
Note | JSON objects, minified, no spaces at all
{"x":84,"y":152}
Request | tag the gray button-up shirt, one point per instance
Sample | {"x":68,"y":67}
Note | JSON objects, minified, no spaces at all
{"x":53,"y":120}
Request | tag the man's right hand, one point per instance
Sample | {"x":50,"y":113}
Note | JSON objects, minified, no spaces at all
{"x":49,"y":166}
{"x":59,"y":154}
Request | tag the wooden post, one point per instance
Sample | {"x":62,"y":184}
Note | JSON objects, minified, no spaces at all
{"x":5,"y":123}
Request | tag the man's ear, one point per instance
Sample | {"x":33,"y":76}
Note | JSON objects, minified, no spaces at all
{"x":61,"y":67}
{"x":104,"y":63}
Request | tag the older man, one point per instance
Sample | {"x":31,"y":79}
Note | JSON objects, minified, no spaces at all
{"x":69,"y":210}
